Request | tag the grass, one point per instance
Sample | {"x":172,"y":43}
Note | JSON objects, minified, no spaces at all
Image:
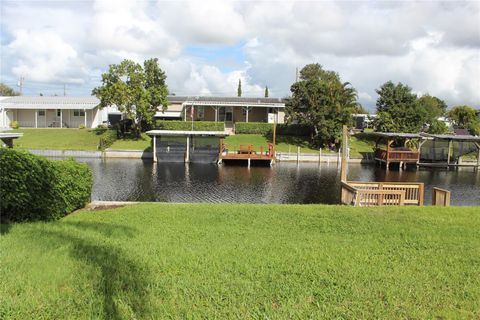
{"x":143,"y":143}
{"x":244,"y":261}
{"x":57,"y":139}
{"x":76,"y":139}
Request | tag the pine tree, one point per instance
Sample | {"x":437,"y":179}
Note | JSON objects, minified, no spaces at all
{"x":266,"y":92}
{"x":239,"y":89}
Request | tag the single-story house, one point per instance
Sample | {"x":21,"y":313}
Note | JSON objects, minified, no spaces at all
{"x":225,"y":109}
{"x":72,"y":112}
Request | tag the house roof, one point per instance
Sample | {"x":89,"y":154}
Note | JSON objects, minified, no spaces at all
{"x":229,"y":101}
{"x":90,"y":102}
{"x":56,"y":102}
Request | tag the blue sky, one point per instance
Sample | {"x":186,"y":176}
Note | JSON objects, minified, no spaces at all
{"x":205,"y":47}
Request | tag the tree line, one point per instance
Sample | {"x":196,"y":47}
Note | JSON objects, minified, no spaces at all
{"x":319,"y":100}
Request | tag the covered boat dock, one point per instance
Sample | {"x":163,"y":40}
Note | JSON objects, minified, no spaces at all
{"x":401,"y":148}
{"x":186,"y":146}
{"x":444,"y":150}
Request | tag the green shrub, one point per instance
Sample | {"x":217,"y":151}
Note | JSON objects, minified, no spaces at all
{"x":14,"y":125}
{"x":35,"y":188}
{"x":107,"y":138}
{"x":267,"y":129}
{"x":187,"y":125}
{"x":253,"y":128}
{"x":81,"y":126}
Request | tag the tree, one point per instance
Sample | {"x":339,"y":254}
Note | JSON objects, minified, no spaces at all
{"x":266,"y":92}
{"x":433,"y":106}
{"x":239,"y":88}
{"x":138,"y":91}
{"x":323,"y":102}
{"x":398,"y":110}
{"x":465,"y":117}
{"x":6,"y":91}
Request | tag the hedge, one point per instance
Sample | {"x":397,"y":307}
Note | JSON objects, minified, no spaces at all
{"x":267,"y":129}
{"x":35,"y":188}
{"x":107,"y":138}
{"x":187,"y":125}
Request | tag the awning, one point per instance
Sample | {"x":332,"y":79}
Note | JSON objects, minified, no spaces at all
{"x":168,"y":114}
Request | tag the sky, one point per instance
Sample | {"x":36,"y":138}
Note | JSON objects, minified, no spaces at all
{"x":206,"y":46}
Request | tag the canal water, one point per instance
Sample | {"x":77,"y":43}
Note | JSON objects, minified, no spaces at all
{"x":138,"y":180}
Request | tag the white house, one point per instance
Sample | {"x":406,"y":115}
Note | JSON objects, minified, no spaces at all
{"x":72,"y":112}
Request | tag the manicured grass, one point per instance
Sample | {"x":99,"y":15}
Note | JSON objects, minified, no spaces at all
{"x":85,"y":139}
{"x":168,"y":261}
{"x":143,"y":143}
{"x":57,"y":139}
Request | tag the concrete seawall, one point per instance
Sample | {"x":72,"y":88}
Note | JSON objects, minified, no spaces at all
{"x":140,"y":154}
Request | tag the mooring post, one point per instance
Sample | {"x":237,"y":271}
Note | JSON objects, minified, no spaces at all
{"x":187,"y":154}
{"x":248,"y":163}
{"x":154,"y":148}
{"x":343,"y":175}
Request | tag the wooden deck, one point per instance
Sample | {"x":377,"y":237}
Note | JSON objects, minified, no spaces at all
{"x":246,"y":152}
{"x":382,"y":193}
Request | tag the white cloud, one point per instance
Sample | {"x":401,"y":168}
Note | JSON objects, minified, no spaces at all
{"x":44,"y":56}
{"x":433,"y":47}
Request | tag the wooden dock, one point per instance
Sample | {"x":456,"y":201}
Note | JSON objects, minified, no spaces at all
{"x":246,"y":152}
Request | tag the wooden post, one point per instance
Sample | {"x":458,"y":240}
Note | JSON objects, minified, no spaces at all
{"x":421,"y":194}
{"x":61,"y":118}
{"x":319,"y":155}
{"x":478,"y":155}
{"x":343,"y":174}
{"x":85,"y":117}
{"x":298,"y":155}
{"x":449,"y":154}
{"x":440,"y":197}
{"x":36,"y":118}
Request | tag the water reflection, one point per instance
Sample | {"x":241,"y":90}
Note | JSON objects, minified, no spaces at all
{"x":137,"y":180}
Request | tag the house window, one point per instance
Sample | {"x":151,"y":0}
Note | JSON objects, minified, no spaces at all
{"x":78,"y":113}
{"x":59,"y":113}
{"x":41,"y":113}
{"x":200,"y":112}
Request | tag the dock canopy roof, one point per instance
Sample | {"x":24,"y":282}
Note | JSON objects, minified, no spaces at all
{"x":180,"y":133}
{"x":452,"y":137}
{"x":394,"y":135}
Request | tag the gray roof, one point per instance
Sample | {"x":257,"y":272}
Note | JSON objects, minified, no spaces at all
{"x":229,"y":101}
{"x":397,"y":135}
{"x":180,"y":133}
{"x":90,"y":102}
{"x":452,"y":137}
{"x":56,"y":102}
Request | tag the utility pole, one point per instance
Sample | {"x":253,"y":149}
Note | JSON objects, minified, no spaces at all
{"x":20,"y":84}
{"x":64,"y":89}
{"x":296,"y":74}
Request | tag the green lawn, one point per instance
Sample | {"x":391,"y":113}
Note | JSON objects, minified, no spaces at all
{"x":143,"y":143}
{"x":76,"y":139}
{"x":57,"y":139}
{"x":166,"y":261}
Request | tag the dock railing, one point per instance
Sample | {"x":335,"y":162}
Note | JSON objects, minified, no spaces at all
{"x":382,"y":193}
{"x":397,"y":155}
